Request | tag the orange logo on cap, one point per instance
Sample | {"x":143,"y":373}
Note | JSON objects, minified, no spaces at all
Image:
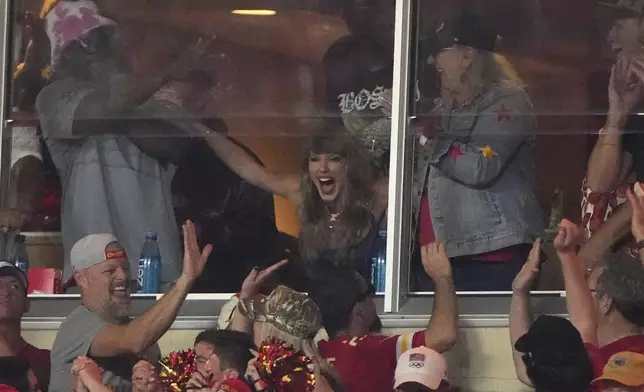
{"x":114,"y":254}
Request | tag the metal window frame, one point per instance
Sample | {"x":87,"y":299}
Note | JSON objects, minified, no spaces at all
{"x":399,"y":308}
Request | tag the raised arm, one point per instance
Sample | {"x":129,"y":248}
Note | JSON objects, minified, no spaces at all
{"x":636,"y":204}
{"x":442,"y":331}
{"x":251,"y":290}
{"x":579,"y":299}
{"x":248,"y":169}
{"x":608,"y":162}
{"x":520,"y":308}
{"x":611,"y":231}
{"x":145,"y":330}
{"x":499,"y":131}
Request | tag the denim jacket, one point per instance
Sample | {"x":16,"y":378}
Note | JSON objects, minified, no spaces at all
{"x":480,"y":175}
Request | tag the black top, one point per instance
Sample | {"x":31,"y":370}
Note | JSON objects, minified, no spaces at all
{"x":357,"y":71}
{"x":235,"y":217}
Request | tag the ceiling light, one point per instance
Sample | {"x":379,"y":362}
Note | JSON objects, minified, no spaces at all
{"x":254,"y":12}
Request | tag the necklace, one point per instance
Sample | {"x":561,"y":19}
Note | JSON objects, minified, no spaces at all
{"x":333,"y":217}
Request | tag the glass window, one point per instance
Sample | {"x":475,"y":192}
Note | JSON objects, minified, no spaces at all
{"x":267,"y":127}
{"x":272,"y":129}
{"x":507,"y":102}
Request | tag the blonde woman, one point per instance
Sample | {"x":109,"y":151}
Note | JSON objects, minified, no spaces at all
{"x":475,"y":167}
{"x":294,"y":318}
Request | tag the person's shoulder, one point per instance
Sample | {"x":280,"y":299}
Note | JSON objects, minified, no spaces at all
{"x":34,"y":354}
{"x":79,"y":315}
{"x":59,"y":92}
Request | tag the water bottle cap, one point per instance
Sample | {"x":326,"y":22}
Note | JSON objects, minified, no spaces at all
{"x":151,"y":235}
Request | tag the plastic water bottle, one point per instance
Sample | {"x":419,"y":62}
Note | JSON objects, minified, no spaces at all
{"x":378,"y":263}
{"x":149,"y":271}
{"x":20,"y":259}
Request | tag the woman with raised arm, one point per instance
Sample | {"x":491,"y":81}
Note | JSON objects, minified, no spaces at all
{"x":340,"y":207}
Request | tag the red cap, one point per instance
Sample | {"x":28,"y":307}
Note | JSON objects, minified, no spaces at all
{"x":232,"y":385}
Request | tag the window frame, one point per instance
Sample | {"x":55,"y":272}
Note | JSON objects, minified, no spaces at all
{"x":400,"y":308}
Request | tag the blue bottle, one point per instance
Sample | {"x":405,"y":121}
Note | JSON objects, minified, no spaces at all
{"x":20,"y":259}
{"x":149,"y":271}
{"x":378,"y":263}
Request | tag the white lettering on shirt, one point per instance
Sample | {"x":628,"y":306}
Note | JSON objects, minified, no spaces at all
{"x":360,"y":101}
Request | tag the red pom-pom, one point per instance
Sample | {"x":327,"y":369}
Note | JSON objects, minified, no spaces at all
{"x":284,"y":369}
{"x":176,"y":370}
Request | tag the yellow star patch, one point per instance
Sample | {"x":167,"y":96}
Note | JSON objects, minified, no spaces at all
{"x":487,"y":152}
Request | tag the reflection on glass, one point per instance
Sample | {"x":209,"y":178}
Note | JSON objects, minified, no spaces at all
{"x":149,"y":118}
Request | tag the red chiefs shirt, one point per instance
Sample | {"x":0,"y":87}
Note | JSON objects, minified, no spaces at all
{"x":600,"y":356}
{"x":368,"y":363}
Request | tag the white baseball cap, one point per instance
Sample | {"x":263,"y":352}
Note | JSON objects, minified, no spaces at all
{"x":92,"y":249}
{"x":421,"y":365}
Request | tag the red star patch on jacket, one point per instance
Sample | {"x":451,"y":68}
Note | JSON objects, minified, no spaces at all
{"x":455,"y":151}
{"x":503,"y":113}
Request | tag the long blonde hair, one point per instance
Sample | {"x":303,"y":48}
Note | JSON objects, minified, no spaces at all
{"x":488,"y":69}
{"x":265,"y":330}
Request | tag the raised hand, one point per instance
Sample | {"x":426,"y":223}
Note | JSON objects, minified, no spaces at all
{"x":194,"y":259}
{"x":145,"y":378}
{"x":624,"y":90}
{"x":194,"y":57}
{"x":11,"y":219}
{"x":435,"y":261}
{"x":256,"y":278}
{"x":568,"y":237}
{"x":529,"y":272}
{"x":197,"y":381}
{"x":636,"y":200}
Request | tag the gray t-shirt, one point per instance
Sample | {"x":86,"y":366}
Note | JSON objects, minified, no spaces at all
{"x":74,"y":339}
{"x":108,"y":184}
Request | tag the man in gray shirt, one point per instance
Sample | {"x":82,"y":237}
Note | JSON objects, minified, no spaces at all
{"x":113,"y":145}
{"x":100,"y":328}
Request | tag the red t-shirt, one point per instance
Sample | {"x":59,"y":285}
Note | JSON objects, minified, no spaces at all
{"x":427,"y":236}
{"x":368,"y":363}
{"x":600,"y":356}
{"x":40,"y":363}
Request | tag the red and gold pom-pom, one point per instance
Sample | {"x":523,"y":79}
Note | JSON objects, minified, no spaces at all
{"x":284,"y":369}
{"x":176,"y":369}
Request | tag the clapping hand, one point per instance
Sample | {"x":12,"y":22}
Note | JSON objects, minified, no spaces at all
{"x":145,"y":378}
{"x":529,"y":272}
{"x":435,"y":261}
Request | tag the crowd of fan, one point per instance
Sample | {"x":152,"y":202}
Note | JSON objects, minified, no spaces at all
{"x":335,"y":326}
